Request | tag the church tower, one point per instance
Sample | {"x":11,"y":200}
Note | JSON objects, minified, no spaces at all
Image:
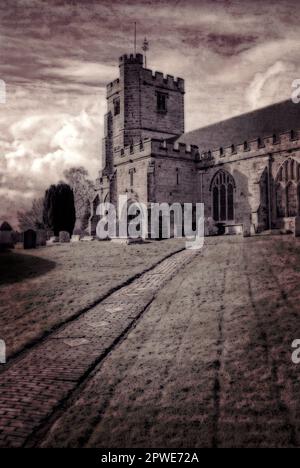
{"x":141,"y":105}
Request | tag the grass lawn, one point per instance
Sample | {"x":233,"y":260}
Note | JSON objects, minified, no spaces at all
{"x":208,"y":364}
{"x":42,"y":288}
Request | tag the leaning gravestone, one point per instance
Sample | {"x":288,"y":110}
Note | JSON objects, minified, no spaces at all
{"x":64,"y":237}
{"x":29,"y":239}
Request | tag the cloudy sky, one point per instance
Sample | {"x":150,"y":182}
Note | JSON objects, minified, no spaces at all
{"x":56,"y":57}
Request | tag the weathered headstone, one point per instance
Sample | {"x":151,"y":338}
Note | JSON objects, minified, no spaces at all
{"x":75,"y":238}
{"x":53,"y":240}
{"x":41,"y":237}
{"x":87,"y":238}
{"x":64,"y":237}
{"x":6,"y":236}
{"x":49,"y":234}
{"x":210,"y":228}
{"x":246,"y":228}
{"x":2,"y":352}
{"x":29,"y":239}
{"x":297,"y":226}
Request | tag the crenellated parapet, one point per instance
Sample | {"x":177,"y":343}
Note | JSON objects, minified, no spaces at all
{"x":163,"y":81}
{"x":113,"y":87}
{"x":131,"y":59}
{"x":155,"y":148}
{"x":260,"y":146}
{"x":136,"y":150}
{"x":152,"y":78}
{"x":176,"y":150}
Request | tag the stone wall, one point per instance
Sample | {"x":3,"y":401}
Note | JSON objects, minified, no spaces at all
{"x":138,"y":190}
{"x":154,"y":123}
{"x":254,"y":166}
{"x":246,"y":175}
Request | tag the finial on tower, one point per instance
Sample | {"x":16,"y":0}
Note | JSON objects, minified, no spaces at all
{"x":145,"y":48}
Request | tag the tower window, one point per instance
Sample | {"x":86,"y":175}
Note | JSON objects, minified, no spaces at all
{"x":177,"y":176}
{"x":131,"y":172}
{"x":161,"y":102}
{"x":116,"y":106}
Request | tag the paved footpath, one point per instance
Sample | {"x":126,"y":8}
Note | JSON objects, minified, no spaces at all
{"x":37,"y":384}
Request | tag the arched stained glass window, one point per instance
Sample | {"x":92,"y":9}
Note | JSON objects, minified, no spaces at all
{"x":222,"y":188}
{"x":287,"y":189}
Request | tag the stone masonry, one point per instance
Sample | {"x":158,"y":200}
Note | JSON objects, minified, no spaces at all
{"x":250,"y":184}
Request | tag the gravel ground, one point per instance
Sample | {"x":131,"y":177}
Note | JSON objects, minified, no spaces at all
{"x":208,"y":364}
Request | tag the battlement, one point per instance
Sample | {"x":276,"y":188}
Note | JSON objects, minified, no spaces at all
{"x":149,"y":77}
{"x":113,"y":87}
{"x":155,"y":147}
{"x":260,"y":146}
{"x":142,"y":148}
{"x":167,"y":148}
{"x":132,"y":59}
{"x":163,"y":81}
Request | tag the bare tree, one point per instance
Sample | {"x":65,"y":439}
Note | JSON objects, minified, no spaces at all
{"x":83,"y":189}
{"x":32,"y":218}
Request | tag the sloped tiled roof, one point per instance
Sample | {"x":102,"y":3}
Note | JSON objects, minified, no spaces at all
{"x":277,"y":118}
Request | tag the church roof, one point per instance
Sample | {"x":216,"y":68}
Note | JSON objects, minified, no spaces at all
{"x":274,"y":119}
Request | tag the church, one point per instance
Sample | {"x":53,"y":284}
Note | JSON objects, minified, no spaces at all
{"x":246,"y":170}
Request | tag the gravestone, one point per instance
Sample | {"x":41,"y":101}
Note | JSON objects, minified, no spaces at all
{"x":87,"y":238}
{"x":210,"y":228}
{"x":53,"y":240}
{"x":29,"y":239}
{"x":41,"y":237}
{"x":64,"y":237}
{"x":297,"y":226}
{"x":49,"y":234}
{"x":2,"y":352}
{"x":246,"y":229}
{"x":75,"y":238}
{"x":6,"y":236}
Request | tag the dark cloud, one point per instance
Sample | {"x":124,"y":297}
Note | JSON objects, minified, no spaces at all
{"x":230,"y":44}
{"x":57,"y":56}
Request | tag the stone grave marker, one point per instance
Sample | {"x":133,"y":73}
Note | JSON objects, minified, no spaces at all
{"x":6,"y":236}
{"x":29,"y":241}
{"x":64,"y":237}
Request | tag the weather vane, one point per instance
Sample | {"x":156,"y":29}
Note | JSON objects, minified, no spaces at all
{"x":145,"y":48}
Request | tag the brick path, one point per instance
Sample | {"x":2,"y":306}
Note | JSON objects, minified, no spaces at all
{"x":34,"y":386}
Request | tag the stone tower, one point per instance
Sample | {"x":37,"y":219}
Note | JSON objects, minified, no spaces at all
{"x":140,"y":105}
